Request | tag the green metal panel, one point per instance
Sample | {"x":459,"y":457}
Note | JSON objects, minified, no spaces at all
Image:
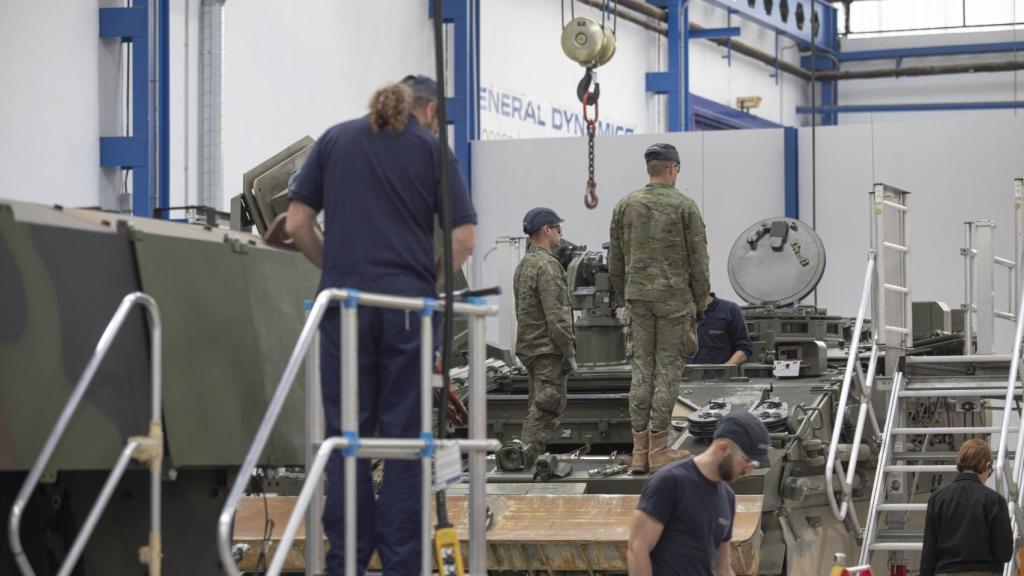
{"x":60,"y":283}
{"x":226,"y":341}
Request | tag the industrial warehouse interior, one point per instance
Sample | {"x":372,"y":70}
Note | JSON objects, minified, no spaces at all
{"x":512,"y":287}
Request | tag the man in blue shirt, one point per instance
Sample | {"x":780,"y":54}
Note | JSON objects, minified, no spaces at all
{"x":683,"y":521}
{"x":722,"y":336}
{"x":377,"y":180}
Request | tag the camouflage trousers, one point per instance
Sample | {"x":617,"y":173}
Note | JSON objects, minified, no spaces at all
{"x":547,"y":398}
{"x":664,"y":336}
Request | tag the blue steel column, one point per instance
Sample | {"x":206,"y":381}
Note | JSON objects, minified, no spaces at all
{"x":675,"y":82}
{"x":131,"y":24}
{"x":465,"y":96}
{"x":164,"y":195}
{"x":791,"y":178}
{"x":129,"y":152}
{"x":829,"y":89}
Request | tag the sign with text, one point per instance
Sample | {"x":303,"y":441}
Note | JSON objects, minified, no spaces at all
{"x":506,"y":115}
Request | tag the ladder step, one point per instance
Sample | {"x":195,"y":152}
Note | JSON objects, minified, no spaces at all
{"x":900,"y":535}
{"x":969,"y":359}
{"x":920,"y":468}
{"x":953,"y":430}
{"x":896,"y":546}
{"x":933,"y":456}
{"x":957,"y":392}
{"x":902,"y":507}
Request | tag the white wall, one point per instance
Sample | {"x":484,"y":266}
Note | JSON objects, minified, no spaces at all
{"x":61,"y":93}
{"x":956,"y":170}
{"x":511,"y":177}
{"x":295,"y":68}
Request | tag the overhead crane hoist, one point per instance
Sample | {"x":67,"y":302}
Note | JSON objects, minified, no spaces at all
{"x":590,"y":44}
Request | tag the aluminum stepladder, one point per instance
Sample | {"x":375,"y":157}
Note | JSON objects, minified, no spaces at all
{"x":147,"y":449}
{"x":355,"y":447}
{"x":892,"y":492}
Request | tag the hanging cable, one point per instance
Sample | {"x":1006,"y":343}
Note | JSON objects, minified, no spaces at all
{"x":446,"y":541}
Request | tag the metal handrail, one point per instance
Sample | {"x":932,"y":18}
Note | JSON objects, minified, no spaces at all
{"x":840,"y":511}
{"x":1009,"y":485}
{"x":349,"y":373}
{"x":147,"y":449}
{"x":367,"y":448}
{"x":891,"y":417}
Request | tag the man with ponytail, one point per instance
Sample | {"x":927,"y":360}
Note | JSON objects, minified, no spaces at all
{"x":377,"y":181}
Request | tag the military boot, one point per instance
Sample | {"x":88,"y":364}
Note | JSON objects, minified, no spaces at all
{"x":640,"y":448}
{"x":660,"y":453}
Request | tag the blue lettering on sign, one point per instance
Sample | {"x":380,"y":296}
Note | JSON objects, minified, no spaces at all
{"x":531,"y":112}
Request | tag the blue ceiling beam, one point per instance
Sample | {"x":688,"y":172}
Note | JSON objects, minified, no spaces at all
{"x":925,"y":51}
{"x":715,"y":33}
{"x":914,"y":107}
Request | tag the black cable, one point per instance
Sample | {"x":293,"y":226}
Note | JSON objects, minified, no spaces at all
{"x":127,"y":107}
{"x":256,"y":487}
{"x":814,"y":141}
{"x":446,"y":241}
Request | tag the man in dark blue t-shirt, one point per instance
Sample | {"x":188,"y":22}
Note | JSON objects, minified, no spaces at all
{"x":722,"y":336}
{"x":683,"y":522}
{"x":377,"y":180}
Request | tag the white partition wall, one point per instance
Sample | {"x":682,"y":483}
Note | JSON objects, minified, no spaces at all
{"x":955,"y":170}
{"x":735,"y":177}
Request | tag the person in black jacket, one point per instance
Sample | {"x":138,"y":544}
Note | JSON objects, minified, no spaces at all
{"x":967,"y":528}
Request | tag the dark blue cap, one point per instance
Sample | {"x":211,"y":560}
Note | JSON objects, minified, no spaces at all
{"x":538,"y":217}
{"x":661,"y":151}
{"x":748,"y":432}
{"x":422,"y":85}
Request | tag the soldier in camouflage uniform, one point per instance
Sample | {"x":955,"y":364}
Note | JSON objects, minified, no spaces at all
{"x":545,"y":342}
{"x":658,"y":262}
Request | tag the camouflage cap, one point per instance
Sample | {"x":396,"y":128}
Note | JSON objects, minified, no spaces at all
{"x":661,"y":151}
{"x":538,"y":217}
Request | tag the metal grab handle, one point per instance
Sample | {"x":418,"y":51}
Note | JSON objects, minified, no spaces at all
{"x":295,"y":361}
{"x":1011,"y":384}
{"x":150,"y":448}
{"x":840,"y":511}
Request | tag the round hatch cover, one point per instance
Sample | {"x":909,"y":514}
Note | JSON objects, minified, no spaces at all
{"x":776,"y":261}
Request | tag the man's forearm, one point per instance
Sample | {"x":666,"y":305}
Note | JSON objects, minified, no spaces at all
{"x":738,"y":357}
{"x":639,"y":563}
{"x":463,"y":241}
{"x":311,"y":243}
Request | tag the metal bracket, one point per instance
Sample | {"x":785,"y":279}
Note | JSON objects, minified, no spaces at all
{"x":236,"y":244}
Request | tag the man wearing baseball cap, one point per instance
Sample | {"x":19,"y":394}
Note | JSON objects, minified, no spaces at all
{"x":683,"y":521}
{"x":658,"y":264}
{"x":545,"y":342}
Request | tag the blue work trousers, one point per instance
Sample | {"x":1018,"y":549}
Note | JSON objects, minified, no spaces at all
{"x":389,"y":407}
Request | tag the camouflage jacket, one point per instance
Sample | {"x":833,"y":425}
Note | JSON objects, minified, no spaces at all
{"x":542,"y":306}
{"x":658,"y":248}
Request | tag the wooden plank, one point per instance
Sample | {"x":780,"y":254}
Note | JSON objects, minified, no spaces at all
{"x":530,"y":532}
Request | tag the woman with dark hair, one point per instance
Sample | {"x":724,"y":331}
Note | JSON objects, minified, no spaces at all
{"x":967,"y":528}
